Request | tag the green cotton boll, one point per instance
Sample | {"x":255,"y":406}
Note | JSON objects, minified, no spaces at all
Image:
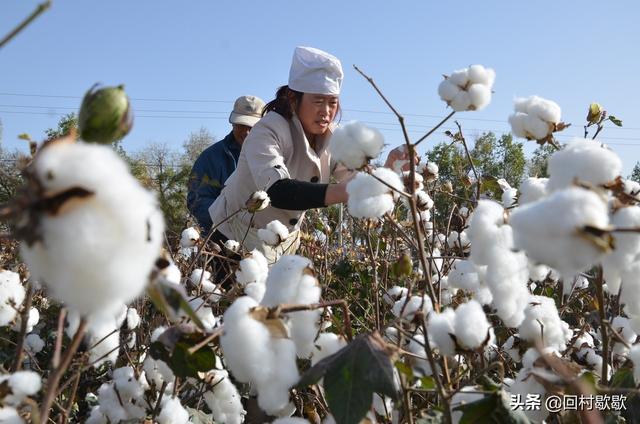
{"x":105,"y":115}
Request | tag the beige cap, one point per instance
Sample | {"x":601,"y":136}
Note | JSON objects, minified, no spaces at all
{"x":315,"y":71}
{"x":247,"y":110}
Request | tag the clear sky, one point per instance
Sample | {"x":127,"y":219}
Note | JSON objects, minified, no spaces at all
{"x":184,"y":62}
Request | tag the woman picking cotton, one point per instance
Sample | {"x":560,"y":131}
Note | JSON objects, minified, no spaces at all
{"x":286,"y":154}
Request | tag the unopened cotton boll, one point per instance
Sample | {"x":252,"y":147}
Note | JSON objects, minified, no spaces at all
{"x":543,"y":325}
{"x":370,"y":198}
{"x":584,"y":160}
{"x":440,"y":328}
{"x":354,"y":144}
{"x":551,"y":229}
{"x":11,"y":296}
{"x":535,"y":118}
{"x":99,"y":247}
{"x":189,"y":237}
{"x":274,"y":233}
{"x":471,"y":325}
{"x":532,"y":189}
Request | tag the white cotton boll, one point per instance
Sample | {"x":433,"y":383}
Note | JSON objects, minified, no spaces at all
{"x":96,"y":416}
{"x":461,"y":102}
{"x":538,"y":273}
{"x":584,"y":340}
{"x":393,"y":294}
{"x":157,"y":332}
{"x":273,"y":392}
{"x":446,"y":292}
{"x":382,"y":405}
{"x":440,"y":328}
{"x":94,"y":252}
{"x":172,"y":412}
{"x":517,"y":122}
{"x":157,"y":372}
{"x":548,"y":230}
{"x":623,"y":327}
{"x":487,"y":231}
{"x":509,"y":197}
{"x":204,"y":313}
{"x":11,"y":296}
{"x":479,"y":96}
{"x":21,"y":384}
{"x":536,"y":128}
{"x":370,"y":198}
{"x":507,"y":277}
{"x":532,"y":189}
{"x":471,"y":325}
{"x":133,"y":318}
{"x":34,"y":343}
{"x":253,"y":269}
{"x":626,"y":248}
{"x":326,"y":345}
{"x":354,"y":144}
{"x":224,"y":400}
{"x":447,"y":90}
{"x":171,"y":274}
{"x":244,"y":341}
{"x":460,"y":77}
{"x":464,"y":275}
{"x":274,"y":233}
{"x":420,"y":364}
{"x":440,"y":240}
{"x":189,"y":237}
{"x":198,"y":276}
{"x":232,"y":245}
{"x":465,"y":395}
{"x":126,"y":384}
{"x":414,"y":305}
{"x":541,"y":316}
{"x":478,"y":74}
{"x":547,"y":110}
{"x":423,"y":200}
{"x":631,"y":188}
{"x":32,"y":320}
{"x":585,"y":160}
{"x":9,"y":415}
{"x":105,"y":339}
{"x":290,"y":420}
{"x":509,"y":348}
{"x":526,"y":385}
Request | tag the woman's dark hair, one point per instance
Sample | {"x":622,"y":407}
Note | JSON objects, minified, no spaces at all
{"x":282,"y":103}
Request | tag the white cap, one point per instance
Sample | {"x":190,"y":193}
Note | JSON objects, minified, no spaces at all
{"x":315,"y":71}
{"x":247,"y":110}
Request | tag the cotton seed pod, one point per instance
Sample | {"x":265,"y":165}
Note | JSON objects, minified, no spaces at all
{"x":105,"y":115}
{"x":595,"y":113}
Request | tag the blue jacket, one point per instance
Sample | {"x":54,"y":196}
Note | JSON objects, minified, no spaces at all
{"x":208,"y":175}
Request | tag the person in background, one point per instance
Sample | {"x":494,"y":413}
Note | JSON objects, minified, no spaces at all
{"x":218,"y":161}
{"x":286,"y":154}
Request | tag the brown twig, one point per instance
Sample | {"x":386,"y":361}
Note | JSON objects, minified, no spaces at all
{"x":603,"y":324}
{"x":41,"y":8}
{"x":445,"y":119}
{"x":473,"y":168}
{"x":24,"y":320}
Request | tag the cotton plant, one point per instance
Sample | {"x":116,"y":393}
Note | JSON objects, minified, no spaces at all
{"x":156,"y":371}
{"x":440,"y":327}
{"x":354,"y":144}
{"x":468,"y":88}
{"x":371,"y":198}
{"x":20,"y":385}
{"x":188,"y":242}
{"x":90,"y":251}
{"x":470,"y":325}
{"x":543,"y":325}
{"x":223,"y":399}
{"x":33,"y":317}
{"x":121,"y":399}
{"x":428,"y":170}
{"x":535,"y":118}
{"x":408,"y":308}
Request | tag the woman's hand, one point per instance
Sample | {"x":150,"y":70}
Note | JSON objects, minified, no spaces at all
{"x":398,"y":159}
{"x":336,"y":193}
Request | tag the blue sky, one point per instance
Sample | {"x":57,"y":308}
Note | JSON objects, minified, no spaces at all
{"x":210,"y":52}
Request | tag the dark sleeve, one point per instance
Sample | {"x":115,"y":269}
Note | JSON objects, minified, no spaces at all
{"x":204,"y":188}
{"x":296,"y":195}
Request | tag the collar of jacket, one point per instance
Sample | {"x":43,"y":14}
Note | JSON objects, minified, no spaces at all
{"x":230,"y":143}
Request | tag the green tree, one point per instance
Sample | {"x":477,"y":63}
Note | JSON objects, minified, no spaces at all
{"x":635,"y":174}
{"x":499,"y":158}
{"x":537,"y":166}
{"x":65,"y":125}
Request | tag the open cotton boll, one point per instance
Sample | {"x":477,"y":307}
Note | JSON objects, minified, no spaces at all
{"x":232,"y":245}
{"x":326,"y":345}
{"x":461,"y":102}
{"x":440,"y":328}
{"x":541,"y":313}
{"x":625,"y":251}
{"x":172,"y":412}
{"x":634,"y":355}
{"x":532,"y":189}
{"x":253,"y":269}
{"x":632,"y":189}
{"x":370,"y":198}
{"x":204,"y":313}
{"x":133,"y":318}
{"x":583,"y":160}
{"x":34,"y":343}
{"x":189,"y":237}
{"x":274,"y":233}
{"x":447,"y":90}
{"x":478,"y":74}
{"x":125,"y":382}
{"x":9,"y":415}
{"x":32,"y":320}
{"x":100,"y":248}
{"x":509,"y":197}
{"x":354,"y":144}
{"x":198,"y":276}
{"x":11,"y":296}
{"x":224,"y":400}
{"x":507,"y":277}
{"x":535,"y":117}
{"x":464,"y":275}
{"x":622,"y":325}
{"x":273,"y":391}
{"x":549,"y":230}
{"x":414,"y":305}
{"x":467,"y":89}
{"x":479,"y":95}
{"x":487,"y":230}
{"x":471,"y":325}
{"x":393,"y":294}
{"x":21,"y":384}
{"x":419,"y":362}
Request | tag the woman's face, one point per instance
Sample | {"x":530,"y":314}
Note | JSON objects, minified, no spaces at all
{"x":316,"y":112}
